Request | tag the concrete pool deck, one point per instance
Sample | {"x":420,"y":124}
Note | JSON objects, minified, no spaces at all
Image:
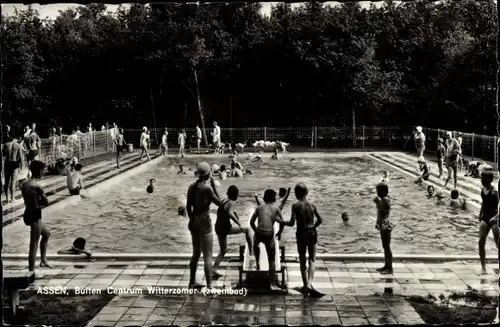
{"x":355,"y":292}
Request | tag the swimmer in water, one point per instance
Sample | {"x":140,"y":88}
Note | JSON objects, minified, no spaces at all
{"x":151,"y":186}
{"x":222,"y":172}
{"x":345,"y":217}
{"x":488,"y":215}
{"x":292,"y":160}
{"x":440,"y":197}
{"x":236,"y":167}
{"x":78,"y":247}
{"x":181,"y":170}
{"x":424,"y":168}
{"x":385,"y":176}
{"x":430,"y":192}
{"x":181,"y":211}
{"x":276,"y":155}
{"x":456,"y":202}
{"x":34,"y":199}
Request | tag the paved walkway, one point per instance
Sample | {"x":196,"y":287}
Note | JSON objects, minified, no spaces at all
{"x":356,"y":293}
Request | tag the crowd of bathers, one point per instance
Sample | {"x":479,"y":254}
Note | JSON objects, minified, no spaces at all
{"x":449,"y":155}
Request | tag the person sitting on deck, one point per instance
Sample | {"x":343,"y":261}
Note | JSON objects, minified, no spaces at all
{"x":74,"y":181}
{"x":266,"y":215}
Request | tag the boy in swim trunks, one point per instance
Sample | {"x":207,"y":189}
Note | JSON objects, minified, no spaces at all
{"x":75,"y":180}
{"x":304,"y":212}
{"x":34,"y":199}
{"x":488,"y":215}
{"x":266,"y":215}
{"x":384,"y":225}
{"x":223,"y":227}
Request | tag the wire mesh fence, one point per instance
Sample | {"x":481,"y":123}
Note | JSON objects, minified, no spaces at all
{"x":91,"y":144}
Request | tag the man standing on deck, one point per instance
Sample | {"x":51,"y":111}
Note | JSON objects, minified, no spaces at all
{"x":198,"y":138}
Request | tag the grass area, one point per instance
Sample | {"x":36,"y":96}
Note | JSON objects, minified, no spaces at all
{"x":471,"y":307}
{"x":58,"y":310}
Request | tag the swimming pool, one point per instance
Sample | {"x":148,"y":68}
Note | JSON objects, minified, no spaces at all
{"x":124,"y":218}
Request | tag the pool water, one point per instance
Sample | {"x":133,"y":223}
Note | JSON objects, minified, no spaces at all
{"x":125,"y":218}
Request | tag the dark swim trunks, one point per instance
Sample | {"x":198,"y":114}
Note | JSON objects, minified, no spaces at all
{"x":75,"y":191}
{"x":10,"y":166}
{"x":307,"y":237}
{"x":32,"y":216}
{"x":32,"y":154}
{"x":452,"y":161}
{"x":200,"y":224}
{"x":263,"y":237}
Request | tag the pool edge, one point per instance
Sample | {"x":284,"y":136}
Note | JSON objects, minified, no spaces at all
{"x":173,"y":256}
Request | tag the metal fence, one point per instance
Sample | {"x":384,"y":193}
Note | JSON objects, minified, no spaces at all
{"x":87,"y":145}
{"x":476,"y":146}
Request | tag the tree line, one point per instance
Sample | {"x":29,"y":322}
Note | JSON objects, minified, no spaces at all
{"x":414,"y":63}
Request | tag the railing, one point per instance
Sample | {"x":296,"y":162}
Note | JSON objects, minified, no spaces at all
{"x":366,"y":137}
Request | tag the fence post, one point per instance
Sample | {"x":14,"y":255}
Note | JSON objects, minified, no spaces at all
{"x":363,"y":136}
{"x":438,"y":133}
{"x":472,"y":146}
{"x":92,"y":135}
{"x":315,"y":136}
{"x":265,"y":134}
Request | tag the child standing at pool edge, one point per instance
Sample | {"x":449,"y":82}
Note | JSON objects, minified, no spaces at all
{"x":304,"y":213}
{"x":266,"y":215}
{"x":34,"y":199}
{"x":384,"y":225}
{"x":223,"y":227}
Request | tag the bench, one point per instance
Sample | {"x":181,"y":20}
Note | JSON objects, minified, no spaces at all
{"x":249,"y":262}
{"x":13,"y":282}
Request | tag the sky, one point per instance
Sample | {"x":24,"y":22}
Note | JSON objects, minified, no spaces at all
{"x":52,"y":10}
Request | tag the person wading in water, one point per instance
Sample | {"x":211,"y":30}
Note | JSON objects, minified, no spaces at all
{"x":199,"y":197}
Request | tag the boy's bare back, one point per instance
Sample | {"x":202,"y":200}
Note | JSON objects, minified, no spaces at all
{"x":266,"y":214}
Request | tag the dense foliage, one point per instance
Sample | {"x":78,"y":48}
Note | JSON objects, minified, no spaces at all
{"x":408,"y":64}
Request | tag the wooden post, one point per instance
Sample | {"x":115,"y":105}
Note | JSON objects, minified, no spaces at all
{"x":265,"y":134}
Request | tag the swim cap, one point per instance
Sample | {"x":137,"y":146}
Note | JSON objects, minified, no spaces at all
{"x":215,"y":167}
{"x":440,"y":140}
{"x":448,"y":134}
{"x":421,"y":159}
{"x":419,"y":129}
{"x":203,"y":169}
{"x":144,"y":128}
